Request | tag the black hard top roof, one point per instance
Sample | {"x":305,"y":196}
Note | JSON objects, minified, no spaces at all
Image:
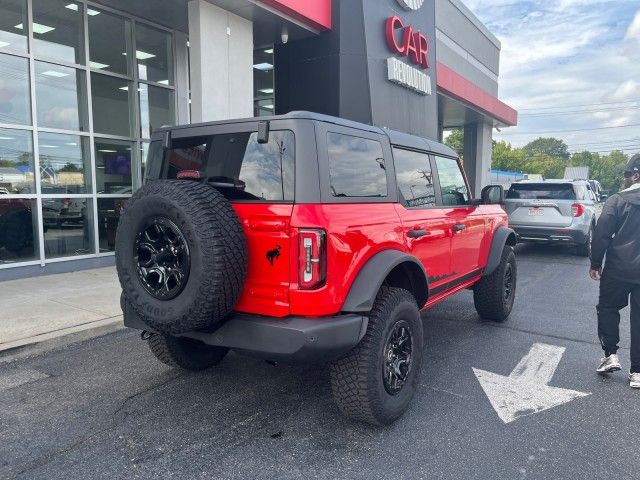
{"x":396,"y":138}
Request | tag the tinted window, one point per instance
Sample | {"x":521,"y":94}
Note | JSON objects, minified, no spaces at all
{"x":541,"y":191}
{"x":356,"y":167}
{"x":415,"y":180}
{"x":236,"y":164}
{"x":452,"y":184}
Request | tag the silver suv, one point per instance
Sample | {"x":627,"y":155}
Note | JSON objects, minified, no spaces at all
{"x":553,"y":211}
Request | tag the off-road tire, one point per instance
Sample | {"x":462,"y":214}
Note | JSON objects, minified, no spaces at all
{"x":585,"y":249}
{"x":185,"y":353}
{"x":357,"y":378}
{"x":217,"y":250}
{"x":489,"y":293}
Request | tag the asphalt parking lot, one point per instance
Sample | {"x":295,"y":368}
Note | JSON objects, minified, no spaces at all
{"x":105,"y":408}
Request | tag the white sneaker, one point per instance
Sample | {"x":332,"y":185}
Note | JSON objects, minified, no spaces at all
{"x":634,"y":380}
{"x":610,"y":364}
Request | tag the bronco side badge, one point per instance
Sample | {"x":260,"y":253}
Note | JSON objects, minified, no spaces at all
{"x":273,"y":255}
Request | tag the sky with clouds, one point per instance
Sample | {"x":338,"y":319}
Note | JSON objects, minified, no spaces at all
{"x":580,"y":58}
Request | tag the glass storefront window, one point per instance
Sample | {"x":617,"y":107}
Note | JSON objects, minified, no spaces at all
{"x":64,"y":164}
{"x":263,"y":81}
{"x":15,"y":106}
{"x":57,"y":30}
{"x":156,"y":108}
{"x":114,"y":166}
{"x":154,"y":54}
{"x":110,"y":43}
{"x":109,"y":211}
{"x":144,"y":152}
{"x":111,"y":100}
{"x":264,"y":108}
{"x":68,"y":227}
{"x":77,"y":187}
{"x":61,"y":97}
{"x":17,"y":175}
{"x":12,"y":14}
{"x":18,"y":230}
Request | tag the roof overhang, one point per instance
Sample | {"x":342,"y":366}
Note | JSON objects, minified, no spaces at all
{"x":454,"y":85}
{"x":314,"y":14}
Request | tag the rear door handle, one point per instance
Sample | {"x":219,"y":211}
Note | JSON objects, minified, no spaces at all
{"x":417,"y":233}
{"x":459,"y":227}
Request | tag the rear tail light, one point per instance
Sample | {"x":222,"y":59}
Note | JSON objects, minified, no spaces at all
{"x":312,"y":259}
{"x":577,"y":210}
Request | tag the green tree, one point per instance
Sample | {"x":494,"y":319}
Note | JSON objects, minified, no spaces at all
{"x":70,"y":167}
{"x":507,"y":158}
{"x":455,"y":141}
{"x":551,"y":147}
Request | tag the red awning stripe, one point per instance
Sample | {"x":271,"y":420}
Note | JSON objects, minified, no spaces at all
{"x":456,"y":86}
{"x":313,"y":13}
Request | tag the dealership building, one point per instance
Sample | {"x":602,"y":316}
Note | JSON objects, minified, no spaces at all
{"x":83,"y":84}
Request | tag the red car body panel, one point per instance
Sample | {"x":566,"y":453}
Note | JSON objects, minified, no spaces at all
{"x":267,"y":227}
{"x":353,"y":238}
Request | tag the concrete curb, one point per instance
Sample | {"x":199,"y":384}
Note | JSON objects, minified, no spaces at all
{"x":97,"y":324}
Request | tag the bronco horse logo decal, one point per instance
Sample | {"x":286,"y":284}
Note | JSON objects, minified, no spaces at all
{"x":273,"y":255}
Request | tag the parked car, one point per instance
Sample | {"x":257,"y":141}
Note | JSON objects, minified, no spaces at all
{"x":596,"y":188}
{"x":63,"y":211}
{"x":553,"y":211}
{"x":307,"y":238}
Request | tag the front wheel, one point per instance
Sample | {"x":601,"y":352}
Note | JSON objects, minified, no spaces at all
{"x":185,"y":353}
{"x":375,"y":382}
{"x":494,"y":294}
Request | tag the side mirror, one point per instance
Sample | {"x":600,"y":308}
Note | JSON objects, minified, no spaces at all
{"x":263,"y":132}
{"x":492,"y":195}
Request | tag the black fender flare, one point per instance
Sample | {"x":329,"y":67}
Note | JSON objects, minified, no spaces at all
{"x":366,"y":286}
{"x":502,"y":236}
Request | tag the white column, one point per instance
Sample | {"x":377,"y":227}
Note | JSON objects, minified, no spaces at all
{"x":221,"y":63}
{"x":478,"y":149}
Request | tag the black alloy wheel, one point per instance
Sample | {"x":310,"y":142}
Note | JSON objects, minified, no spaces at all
{"x":397,"y":358}
{"x":508,"y":282}
{"x":162,"y":258}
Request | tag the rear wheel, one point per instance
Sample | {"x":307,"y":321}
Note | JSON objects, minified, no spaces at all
{"x":585,"y":249}
{"x":494,"y":294}
{"x":375,"y":382}
{"x":185,"y":353}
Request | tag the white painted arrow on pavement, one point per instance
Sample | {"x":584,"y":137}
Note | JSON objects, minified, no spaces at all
{"x":525,"y":391}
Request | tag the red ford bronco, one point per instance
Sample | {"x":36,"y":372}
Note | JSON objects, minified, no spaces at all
{"x":307,"y":238}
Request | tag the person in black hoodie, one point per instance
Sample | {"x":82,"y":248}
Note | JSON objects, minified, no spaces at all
{"x":617,"y":235}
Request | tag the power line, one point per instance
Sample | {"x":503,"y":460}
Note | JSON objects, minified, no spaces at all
{"x":635,"y":148}
{"x":579,"y":112}
{"x":614,"y":142}
{"x":569,"y":131}
{"x":534,"y":109}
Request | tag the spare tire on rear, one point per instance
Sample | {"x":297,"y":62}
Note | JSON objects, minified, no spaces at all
{"x":181,"y":255}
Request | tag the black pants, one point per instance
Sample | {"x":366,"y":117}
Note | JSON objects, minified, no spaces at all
{"x":614,"y":296}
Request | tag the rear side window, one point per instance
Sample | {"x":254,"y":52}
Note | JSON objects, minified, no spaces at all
{"x":541,"y":191}
{"x":415,"y":180}
{"x":452,"y":185}
{"x":236,"y":164}
{"x":582,"y":192}
{"x":356,"y":166}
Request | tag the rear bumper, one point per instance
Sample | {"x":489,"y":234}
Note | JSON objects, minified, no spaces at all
{"x":568,"y":235}
{"x":288,"y":340}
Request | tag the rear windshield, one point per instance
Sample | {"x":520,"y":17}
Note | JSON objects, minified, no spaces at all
{"x":235,"y":163}
{"x":539,"y":191}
